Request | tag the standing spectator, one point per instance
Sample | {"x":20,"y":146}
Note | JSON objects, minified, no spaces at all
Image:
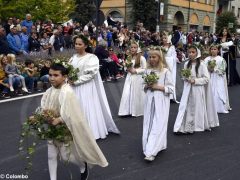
{"x":7,"y":26}
{"x":177,"y":36}
{"x":28,"y":23}
{"x":102,"y":54}
{"x":24,"y":38}
{"x":109,"y":36}
{"x":14,"y":41}
{"x":4,"y":47}
{"x":18,"y":25}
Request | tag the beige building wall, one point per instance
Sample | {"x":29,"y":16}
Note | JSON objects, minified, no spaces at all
{"x":109,"y":6}
{"x":199,"y":15}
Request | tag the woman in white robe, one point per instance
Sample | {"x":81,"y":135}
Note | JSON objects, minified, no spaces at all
{"x":90,"y":91}
{"x":170,"y":54}
{"x":157,"y":105}
{"x":132,"y":101}
{"x":218,"y":80}
{"x":197,"y":110}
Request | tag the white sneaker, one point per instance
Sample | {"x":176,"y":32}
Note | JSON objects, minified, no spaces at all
{"x":150,"y":158}
{"x":24,"y":89}
{"x":11,"y":89}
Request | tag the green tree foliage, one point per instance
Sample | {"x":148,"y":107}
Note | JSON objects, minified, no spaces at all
{"x":84,"y":11}
{"x":56,"y":10}
{"x":146,"y":12}
{"x":224,"y":19}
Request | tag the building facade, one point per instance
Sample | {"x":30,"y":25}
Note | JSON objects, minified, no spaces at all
{"x":188,"y":14}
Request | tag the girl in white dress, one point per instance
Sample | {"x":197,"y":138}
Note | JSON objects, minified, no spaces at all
{"x":90,"y":91}
{"x":132,"y":100}
{"x":157,"y":104}
{"x":197,"y":110}
{"x":170,"y":55}
{"x":218,"y":80}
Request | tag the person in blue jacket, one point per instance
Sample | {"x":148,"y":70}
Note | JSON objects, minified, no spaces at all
{"x":15,"y":41}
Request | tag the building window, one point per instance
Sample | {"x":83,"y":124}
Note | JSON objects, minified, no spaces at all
{"x":238,"y":13}
{"x":233,"y":9}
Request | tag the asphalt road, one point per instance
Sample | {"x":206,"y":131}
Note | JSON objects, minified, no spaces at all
{"x":210,"y":155}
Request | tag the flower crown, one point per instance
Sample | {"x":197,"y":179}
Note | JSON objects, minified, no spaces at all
{"x":63,"y":62}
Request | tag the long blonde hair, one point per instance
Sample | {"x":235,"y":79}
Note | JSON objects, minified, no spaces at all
{"x":138,"y":56}
{"x":1,"y":59}
{"x":162,"y":61}
{"x":11,"y":58}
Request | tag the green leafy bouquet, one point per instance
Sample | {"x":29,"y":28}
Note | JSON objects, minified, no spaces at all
{"x":128,"y":62}
{"x":150,"y":78}
{"x":186,"y":73}
{"x":164,"y":50}
{"x":39,"y":127}
{"x":211,"y":65}
{"x":72,"y":72}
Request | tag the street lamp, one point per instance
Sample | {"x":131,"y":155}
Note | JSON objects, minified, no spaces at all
{"x":189,"y":6}
{"x":158,"y":13}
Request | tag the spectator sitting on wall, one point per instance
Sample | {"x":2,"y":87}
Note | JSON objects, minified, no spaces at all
{"x":14,"y":41}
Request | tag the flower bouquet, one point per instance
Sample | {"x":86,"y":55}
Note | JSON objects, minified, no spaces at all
{"x":186,"y":73}
{"x":72,"y":72}
{"x":164,"y":50}
{"x":150,"y":78}
{"x":211,"y":65}
{"x":39,"y":127}
{"x":128,"y":62}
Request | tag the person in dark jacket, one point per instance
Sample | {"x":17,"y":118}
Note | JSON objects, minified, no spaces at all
{"x":4,"y":46}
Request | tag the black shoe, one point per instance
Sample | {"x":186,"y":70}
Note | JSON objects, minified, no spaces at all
{"x":84,"y":175}
{"x":5,"y":95}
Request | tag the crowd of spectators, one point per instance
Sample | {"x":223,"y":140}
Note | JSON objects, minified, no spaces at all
{"x":21,"y":41}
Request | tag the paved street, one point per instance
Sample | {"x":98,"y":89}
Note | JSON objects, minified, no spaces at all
{"x":202,"y":156}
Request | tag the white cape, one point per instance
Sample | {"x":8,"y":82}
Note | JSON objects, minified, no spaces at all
{"x":156,"y":113}
{"x":132,"y":101}
{"x":197,"y":110}
{"x":84,"y":146}
{"x":92,"y":97}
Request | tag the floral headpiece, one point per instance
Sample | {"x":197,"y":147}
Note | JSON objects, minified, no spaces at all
{"x":62,"y":61}
{"x":215,"y":45}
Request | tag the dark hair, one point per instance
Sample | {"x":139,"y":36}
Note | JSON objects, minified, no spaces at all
{"x":221,"y":33}
{"x":198,"y":60}
{"x":83,"y":38}
{"x":59,"y":67}
{"x":85,"y":41}
{"x":28,"y":62}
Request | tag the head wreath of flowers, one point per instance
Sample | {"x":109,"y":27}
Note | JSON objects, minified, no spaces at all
{"x":72,"y":72}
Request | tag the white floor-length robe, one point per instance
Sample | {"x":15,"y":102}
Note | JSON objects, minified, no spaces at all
{"x":91,"y":95}
{"x":220,"y":93}
{"x":171,"y":59}
{"x":197,"y":110}
{"x":132,"y":101}
{"x":83,"y":148}
{"x":156,"y":112}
